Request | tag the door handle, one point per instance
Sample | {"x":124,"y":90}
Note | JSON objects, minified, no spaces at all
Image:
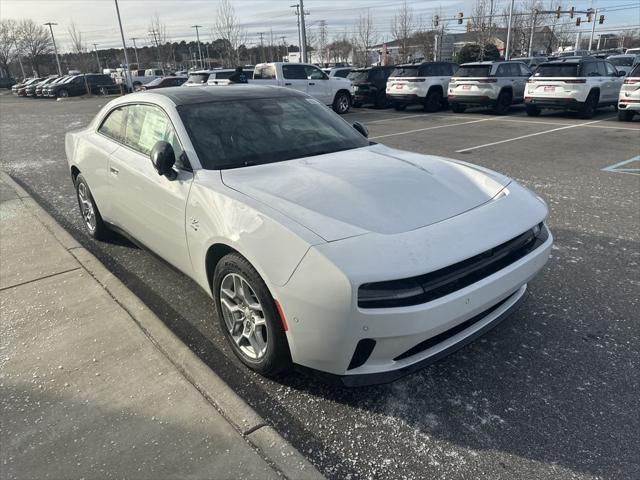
{"x":114,"y":171}
{"x":311,"y":83}
{"x":287,"y":84}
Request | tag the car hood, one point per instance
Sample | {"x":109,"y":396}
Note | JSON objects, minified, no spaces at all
{"x":372,"y":189}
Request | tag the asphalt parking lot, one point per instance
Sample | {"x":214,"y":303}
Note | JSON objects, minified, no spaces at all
{"x":552,"y":392}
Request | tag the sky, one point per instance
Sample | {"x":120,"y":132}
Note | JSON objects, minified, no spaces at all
{"x":97,"y":20}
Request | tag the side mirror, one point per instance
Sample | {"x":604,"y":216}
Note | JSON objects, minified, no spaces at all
{"x":364,"y":131}
{"x":163,"y":158}
{"x":622,"y":73}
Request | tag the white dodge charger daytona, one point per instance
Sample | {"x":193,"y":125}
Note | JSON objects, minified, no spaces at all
{"x":322,"y":250}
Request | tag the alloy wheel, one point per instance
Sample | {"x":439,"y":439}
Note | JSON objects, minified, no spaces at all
{"x":86,"y":207}
{"x":244,"y":316}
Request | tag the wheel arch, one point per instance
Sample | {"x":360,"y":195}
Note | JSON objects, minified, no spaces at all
{"x":437,"y":88}
{"x":214,"y":254}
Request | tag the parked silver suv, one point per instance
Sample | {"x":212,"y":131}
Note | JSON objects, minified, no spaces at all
{"x":495,"y":84}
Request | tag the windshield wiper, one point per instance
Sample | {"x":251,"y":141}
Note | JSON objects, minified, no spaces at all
{"x":240,"y":164}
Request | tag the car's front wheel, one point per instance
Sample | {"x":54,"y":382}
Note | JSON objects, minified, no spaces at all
{"x":341,"y":103}
{"x":249,"y":317}
{"x":63,"y":93}
{"x":91,"y":217}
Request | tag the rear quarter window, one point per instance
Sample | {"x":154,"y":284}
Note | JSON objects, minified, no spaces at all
{"x":113,"y":125}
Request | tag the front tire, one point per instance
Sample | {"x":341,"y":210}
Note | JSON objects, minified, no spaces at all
{"x":248,"y":316}
{"x":433,"y":102}
{"x":625,"y":115}
{"x":63,"y":93}
{"x":91,"y":217}
{"x":341,"y":103}
{"x":457,"y":108}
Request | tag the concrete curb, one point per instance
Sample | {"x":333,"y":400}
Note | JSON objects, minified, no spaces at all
{"x":269,"y":443}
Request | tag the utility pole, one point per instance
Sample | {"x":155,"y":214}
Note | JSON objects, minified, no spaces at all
{"x":55,"y":49}
{"x":127,"y":74}
{"x":286,"y":46}
{"x":303,"y":32}
{"x":297,"y":7}
{"x":135,"y":49}
{"x":199,"y":47}
{"x":508,"y":45}
{"x":261,"y":46}
{"x":593,"y":27}
{"x":21,"y":67}
{"x":206,"y":47}
{"x":95,"y":47}
{"x":534,"y":20}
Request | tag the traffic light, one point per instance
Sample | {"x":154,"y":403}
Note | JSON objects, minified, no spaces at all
{"x":436,"y":20}
{"x":601,"y":20}
{"x":558,"y":11}
{"x":460,"y":17}
{"x":578,"y":22}
{"x":571,"y":12}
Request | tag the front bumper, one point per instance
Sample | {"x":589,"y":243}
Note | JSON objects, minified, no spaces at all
{"x":326,"y":325}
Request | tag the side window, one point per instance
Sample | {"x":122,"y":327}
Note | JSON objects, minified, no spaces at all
{"x":590,"y":69}
{"x":524,"y":70}
{"x":294,"y":72}
{"x":314,"y":73}
{"x":113,"y":125}
{"x":265,"y":72}
{"x":147,"y":125}
{"x":502,"y":70}
{"x":611,"y":70}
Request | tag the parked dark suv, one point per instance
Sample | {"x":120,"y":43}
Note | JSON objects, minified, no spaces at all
{"x":369,"y":85}
{"x":77,"y":85}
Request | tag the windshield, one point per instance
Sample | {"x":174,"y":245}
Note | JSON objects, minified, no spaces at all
{"x":197,"y":79}
{"x":473,"y":71}
{"x":621,"y":61}
{"x":559,"y":70}
{"x":224,"y":75}
{"x":409,"y":71}
{"x":358,"y":75}
{"x":238,"y":133}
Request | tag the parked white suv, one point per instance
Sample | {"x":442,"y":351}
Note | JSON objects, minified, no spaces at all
{"x":420,"y":83}
{"x":494,"y":84}
{"x":573,"y":83}
{"x":629,"y":99}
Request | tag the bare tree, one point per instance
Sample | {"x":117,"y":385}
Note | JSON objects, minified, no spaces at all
{"x":323,"y":40}
{"x":34,"y":40}
{"x":366,"y":37}
{"x":159,"y":37}
{"x":403,"y":26}
{"x":483,"y":23}
{"x":228,"y":28}
{"x":79,"y":48}
{"x":8,"y":44}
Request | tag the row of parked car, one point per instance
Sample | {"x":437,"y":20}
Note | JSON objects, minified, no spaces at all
{"x":63,"y":86}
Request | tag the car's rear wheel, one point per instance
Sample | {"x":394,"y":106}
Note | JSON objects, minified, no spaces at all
{"x":249,"y":317}
{"x":63,"y":93}
{"x":433,"y":102}
{"x":341,"y":103}
{"x":588,"y":108}
{"x":457,"y":108}
{"x":532,"y":110}
{"x":625,"y":115}
{"x":503,"y":103}
{"x":91,"y":217}
{"x":399,"y":107}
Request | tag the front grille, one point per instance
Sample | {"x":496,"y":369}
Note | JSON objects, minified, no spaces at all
{"x":441,"y":337}
{"x":430,"y":286}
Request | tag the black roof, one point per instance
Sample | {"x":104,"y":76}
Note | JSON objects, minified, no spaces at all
{"x":574,"y":59}
{"x":202,"y":94}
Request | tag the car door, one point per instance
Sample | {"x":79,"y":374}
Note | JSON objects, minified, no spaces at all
{"x":319,"y":85}
{"x":519,"y":73}
{"x":148,"y":206}
{"x":613,"y":82}
{"x":595,"y":72}
{"x":295,"y":76}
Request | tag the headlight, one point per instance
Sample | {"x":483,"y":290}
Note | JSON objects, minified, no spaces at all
{"x":383,"y":294}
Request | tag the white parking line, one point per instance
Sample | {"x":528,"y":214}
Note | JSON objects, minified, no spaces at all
{"x":530,"y":135}
{"x":616,"y":167}
{"x":431,"y":128}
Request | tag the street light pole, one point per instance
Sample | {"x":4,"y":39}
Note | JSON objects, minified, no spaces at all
{"x":127,"y":74}
{"x":533,"y":30}
{"x":297,"y":7}
{"x":593,"y":27}
{"x":303,"y":33}
{"x":199,"y":48}
{"x":506,"y":48}
{"x":55,"y":48}
{"x":95,"y":47}
{"x":135,"y":49}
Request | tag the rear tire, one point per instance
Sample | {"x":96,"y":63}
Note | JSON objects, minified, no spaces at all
{"x":433,"y":102}
{"x":625,"y":115}
{"x":588,"y":108}
{"x":341,"y":103}
{"x":91,"y":217}
{"x":532,"y":110}
{"x":457,"y":108}
{"x":503,"y":103}
{"x":399,"y":107}
{"x":256,"y":304}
